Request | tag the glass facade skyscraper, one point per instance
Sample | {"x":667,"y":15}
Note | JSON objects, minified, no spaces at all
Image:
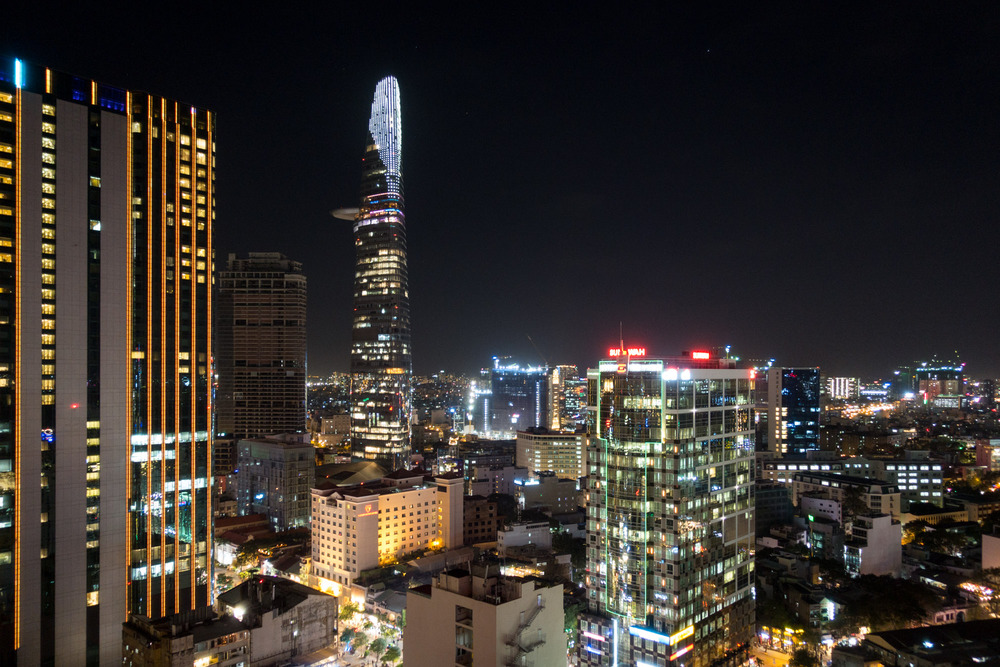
{"x":380,"y":341}
{"x":106,"y":215}
{"x":792,"y":409}
{"x":670,"y":512}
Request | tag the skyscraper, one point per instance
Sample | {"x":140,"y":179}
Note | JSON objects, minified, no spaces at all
{"x":106,"y":215}
{"x":380,"y":341}
{"x":792,"y":408}
{"x":670,"y":511}
{"x":261,"y":347}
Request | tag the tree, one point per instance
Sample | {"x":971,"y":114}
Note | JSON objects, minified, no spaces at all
{"x":378,"y":646}
{"x":989,"y":593}
{"x":348,"y":611}
{"x":392,"y":654}
{"x":347,"y":635}
{"x":360,"y":640}
{"x":803,"y":657}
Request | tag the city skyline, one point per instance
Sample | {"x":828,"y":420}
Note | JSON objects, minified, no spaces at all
{"x":825,"y":172}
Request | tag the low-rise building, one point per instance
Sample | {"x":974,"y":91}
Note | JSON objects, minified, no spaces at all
{"x":285,"y":619}
{"x":548,"y":493}
{"x":464,"y":618}
{"x":481,"y":521}
{"x":536,"y":533}
{"x":874,"y":546}
{"x":486,"y":481}
{"x":879,"y":497}
{"x":196,"y":637}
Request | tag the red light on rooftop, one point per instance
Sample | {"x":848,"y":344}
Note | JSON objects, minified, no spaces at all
{"x":74,"y":406}
{"x":698,"y":354}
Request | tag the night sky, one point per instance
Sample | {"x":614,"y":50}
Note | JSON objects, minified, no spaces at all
{"x":813,"y":182}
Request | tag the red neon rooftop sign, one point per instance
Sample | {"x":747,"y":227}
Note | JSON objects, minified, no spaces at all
{"x":699,"y":354}
{"x":631,"y":352}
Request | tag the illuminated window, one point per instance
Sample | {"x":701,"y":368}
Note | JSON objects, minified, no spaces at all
{"x":48,"y":109}
{"x":6,"y":148}
{"x":49,"y":128}
{"x":49,"y":264}
{"x":48,"y":202}
{"x":48,"y":172}
{"x":47,"y":158}
{"x":6,"y":97}
{"x":48,"y":142}
{"x":95,"y":181}
{"x":48,"y":279}
{"x":49,"y":218}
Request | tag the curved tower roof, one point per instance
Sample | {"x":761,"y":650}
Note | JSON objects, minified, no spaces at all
{"x":380,"y":340}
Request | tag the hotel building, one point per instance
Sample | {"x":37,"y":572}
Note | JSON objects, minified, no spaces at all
{"x":107,"y":203}
{"x":670,"y":511}
{"x":356,"y":528}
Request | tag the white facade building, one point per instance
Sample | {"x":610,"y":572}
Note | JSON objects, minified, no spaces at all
{"x":356,"y":528}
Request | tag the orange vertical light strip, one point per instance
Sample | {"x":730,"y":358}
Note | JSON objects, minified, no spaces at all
{"x":148,"y":360}
{"x":163,"y":222}
{"x":193,"y":347}
{"x":209,"y":265}
{"x":48,"y":80}
{"x":18,"y":458}
{"x":177,"y":336}
{"x":163,"y":393}
{"x":93,"y":93}
{"x":128,"y":343}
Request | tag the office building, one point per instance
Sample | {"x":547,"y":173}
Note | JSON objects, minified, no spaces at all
{"x":791,"y":409}
{"x":261,"y":347}
{"x":274,"y":478}
{"x":842,"y":388}
{"x":939,"y":378}
{"x":466,"y":618}
{"x":107,"y":201}
{"x":356,"y":529}
{"x":517,"y":398}
{"x":567,"y":399}
{"x":670,"y":511}
{"x":561,"y":452}
{"x":380,"y":339}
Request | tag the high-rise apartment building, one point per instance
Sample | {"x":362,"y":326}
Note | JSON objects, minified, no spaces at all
{"x":261,"y":347}
{"x":107,"y":201}
{"x":790,"y":417}
{"x":274,"y":477}
{"x":670,"y":511}
{"x":380,"y":341}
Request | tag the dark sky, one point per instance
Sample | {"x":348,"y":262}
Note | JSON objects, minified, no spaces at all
{"x":814,"y":182}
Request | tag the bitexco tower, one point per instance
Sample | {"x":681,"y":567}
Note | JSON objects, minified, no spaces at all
{"x":380,"y":340}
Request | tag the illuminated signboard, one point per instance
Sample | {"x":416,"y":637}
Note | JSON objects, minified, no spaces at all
{"x":698,"y":354}
{"x":631,"y":352}
{"x":368,"y":511}
{"x":682,"y":652}
{"x":682,"y":634}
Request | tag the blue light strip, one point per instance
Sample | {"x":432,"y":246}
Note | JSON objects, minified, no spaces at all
{"x":651,"y":635}
{"x":18,"y":73}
